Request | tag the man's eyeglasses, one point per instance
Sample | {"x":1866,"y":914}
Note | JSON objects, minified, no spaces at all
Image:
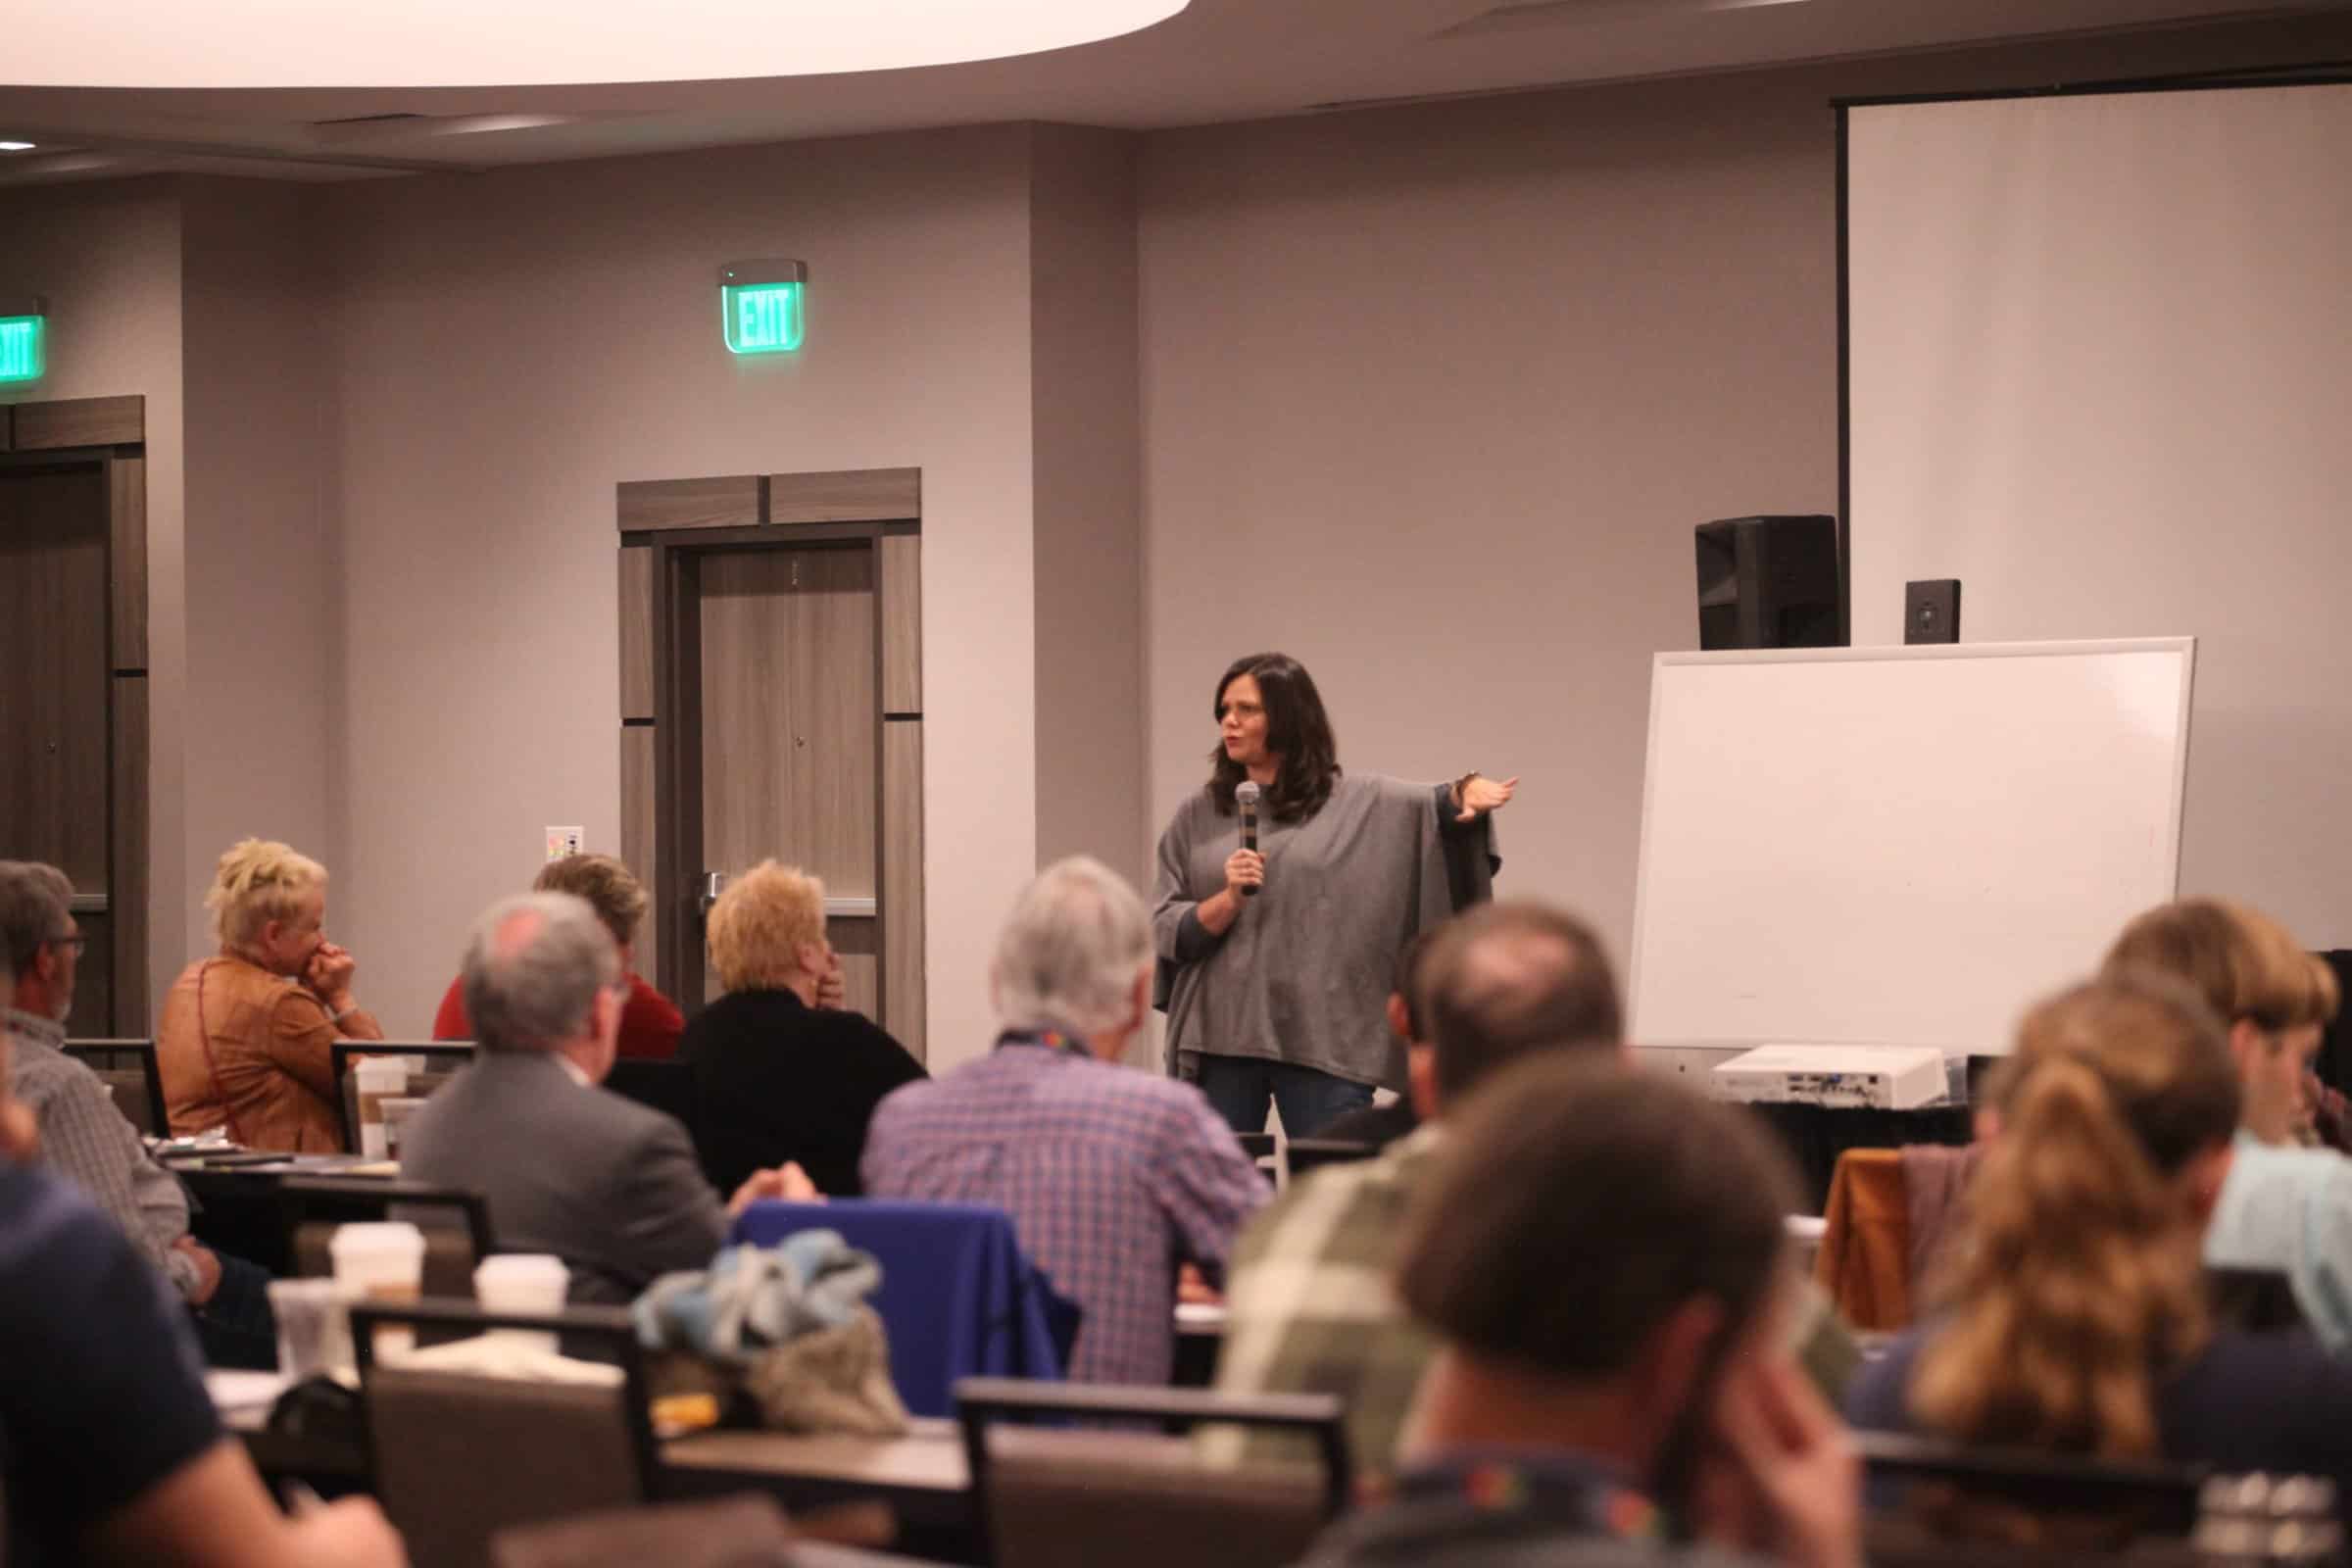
{"x":79,"y":944}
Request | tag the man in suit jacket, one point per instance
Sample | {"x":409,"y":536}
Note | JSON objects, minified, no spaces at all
{"x":610,"y":1186}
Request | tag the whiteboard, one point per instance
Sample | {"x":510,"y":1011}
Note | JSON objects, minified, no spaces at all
{"x":1898,"y":846}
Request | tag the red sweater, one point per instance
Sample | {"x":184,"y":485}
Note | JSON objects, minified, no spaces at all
{"x":650,"y":1025}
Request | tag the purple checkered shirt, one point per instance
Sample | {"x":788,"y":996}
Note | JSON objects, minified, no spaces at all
{"x":1112,"y":1176}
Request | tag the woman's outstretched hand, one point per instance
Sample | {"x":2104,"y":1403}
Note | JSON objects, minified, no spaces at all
{"x":1479,"y":795}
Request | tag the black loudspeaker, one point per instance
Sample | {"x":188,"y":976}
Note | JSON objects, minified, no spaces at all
{"x":1769,"y":582}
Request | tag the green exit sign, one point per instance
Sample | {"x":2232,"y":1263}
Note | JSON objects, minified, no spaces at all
{"x":762,"y":306}
{"x":21,"y":331}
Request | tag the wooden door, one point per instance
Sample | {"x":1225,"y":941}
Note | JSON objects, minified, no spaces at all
{"x":55,"y":688}
{"x":791,"y":733}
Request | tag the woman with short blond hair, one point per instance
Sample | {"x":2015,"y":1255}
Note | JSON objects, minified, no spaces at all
{"x":247,"y":1035}
{"x":782,"y":1073}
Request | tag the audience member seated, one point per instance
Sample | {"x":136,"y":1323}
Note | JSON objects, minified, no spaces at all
{"x":650,"y":1022}
{"x":110,"y":1450}
{"x":2073,"y":1312}
{"x":782,"y":1075}
{"x":84,"y":1138}
{"x":1599,"y":1259}
{"x":1114,"y":1177}
{"x":1377,"y":1126}
{"x":246,"y":1036}
{"x":608,"y":1186}
{"x":2283,"y":1208}
{"x":1307,"y":1308}
{"x":1305,"y":1312}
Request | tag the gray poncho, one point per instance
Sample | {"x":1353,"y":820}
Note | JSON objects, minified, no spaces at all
{"x":1303,"y":975}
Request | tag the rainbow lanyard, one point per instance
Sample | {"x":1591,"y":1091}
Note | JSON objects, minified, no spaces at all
{"x":1563,"y":1490}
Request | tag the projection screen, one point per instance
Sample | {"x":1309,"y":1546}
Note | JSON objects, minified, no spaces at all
{"x":2100,"y":367}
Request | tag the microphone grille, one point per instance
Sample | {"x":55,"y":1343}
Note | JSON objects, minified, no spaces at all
{"x":1245,"y":793}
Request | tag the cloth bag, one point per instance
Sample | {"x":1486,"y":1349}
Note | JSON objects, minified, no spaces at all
{"x":786,"y":1325}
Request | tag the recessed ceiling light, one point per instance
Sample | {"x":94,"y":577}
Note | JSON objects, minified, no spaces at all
{"x":16,"y":146}
{"x":463,"y":43}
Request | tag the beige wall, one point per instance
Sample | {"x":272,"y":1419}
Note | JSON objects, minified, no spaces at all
{"x":1087,"y":445}
{"x":1429,"y":396}
{"x":264,"y":642}
{"x":108,"y":257}
{"x":511,"y":346}
{"x":1433,"y":397}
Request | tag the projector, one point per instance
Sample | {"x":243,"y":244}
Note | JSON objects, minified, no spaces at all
{"x":1872,"y":1077}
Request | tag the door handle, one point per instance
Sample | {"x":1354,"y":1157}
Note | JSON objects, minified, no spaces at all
{"x":713,"y":883}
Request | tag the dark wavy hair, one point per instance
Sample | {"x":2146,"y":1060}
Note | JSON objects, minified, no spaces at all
{"x":1297,"y":731}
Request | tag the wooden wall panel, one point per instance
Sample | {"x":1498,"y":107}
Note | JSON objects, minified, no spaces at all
{"x":861,"y":969}
{"x":845,"y":495}
{"x":128,"y":890}
{"x":127,"y":504}
{"x":731,"y":502}
{"x":637,"y":834}
{"x":788,"y":713}
{"x":53,"y":646}
{"x":80,"y":422}
{"x":902,"y":622}
{"x":903,"y":1000}
{"x":637,"y":632}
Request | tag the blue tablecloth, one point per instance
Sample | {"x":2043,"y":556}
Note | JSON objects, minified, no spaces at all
{"x":957,"y":1297}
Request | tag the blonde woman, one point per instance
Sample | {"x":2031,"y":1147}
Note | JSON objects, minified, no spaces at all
{"x":2284,"y":1208}
{"x":246,"y":1034}
{"x":782,"y":1074}
{"x":2074,"y":1316}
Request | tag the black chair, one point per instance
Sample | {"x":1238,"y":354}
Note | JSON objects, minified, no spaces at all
{"x":2113,"y":1500}
{"x":442,"y":1059}
{"x":456,"y":1457}
{"x":1060,"y":1497}
{"x":1257,"y":1145}
{"x":455,"y":1223}
{"x":1311,"y":1153}
{"x":129,"y":1071}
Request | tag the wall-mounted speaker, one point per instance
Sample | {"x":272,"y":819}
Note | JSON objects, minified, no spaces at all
{"x":1769,"y":582}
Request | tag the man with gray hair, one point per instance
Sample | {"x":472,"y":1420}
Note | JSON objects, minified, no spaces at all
{"x":85,"y":1138}
{"x":610,"y":1187}
{"x":1114,"y":1177}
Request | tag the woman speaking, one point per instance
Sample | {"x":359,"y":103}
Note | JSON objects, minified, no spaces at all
{"x":1276,"y":961}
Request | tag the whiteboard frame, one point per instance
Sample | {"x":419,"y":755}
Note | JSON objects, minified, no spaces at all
{"x":2186,"y":647}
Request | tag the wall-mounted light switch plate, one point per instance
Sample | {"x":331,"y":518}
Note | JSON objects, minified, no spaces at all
{"x":1932,"y":610}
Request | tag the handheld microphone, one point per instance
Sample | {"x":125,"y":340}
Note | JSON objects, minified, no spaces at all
{"x":1245,"y":796}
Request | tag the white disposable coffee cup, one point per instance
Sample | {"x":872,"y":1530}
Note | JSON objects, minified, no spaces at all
{"x":523,"y":1282}
{"x":378,"y":1078}
{"x":381,"y":1262}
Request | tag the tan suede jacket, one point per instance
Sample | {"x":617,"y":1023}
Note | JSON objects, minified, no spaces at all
{"x":242,"y":1048}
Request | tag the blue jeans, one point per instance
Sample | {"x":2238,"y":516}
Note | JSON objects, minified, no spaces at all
{"x":1239,"y":1088}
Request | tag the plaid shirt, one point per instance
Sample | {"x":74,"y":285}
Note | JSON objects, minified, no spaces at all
{"x":1311,"y":1308}
{"x":1112,"y":1178}
{"x":85,"y":1139}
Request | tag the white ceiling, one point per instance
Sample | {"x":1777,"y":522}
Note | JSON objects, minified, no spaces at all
{"x":1219,"y":60}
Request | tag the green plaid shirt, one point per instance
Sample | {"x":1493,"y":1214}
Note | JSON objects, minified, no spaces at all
{"x":1310,"y":1308}
{"x":1309,"y":1304}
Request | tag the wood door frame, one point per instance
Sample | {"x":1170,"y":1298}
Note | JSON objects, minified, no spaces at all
{"x":109,"y":436}
{"x":666,"y":527}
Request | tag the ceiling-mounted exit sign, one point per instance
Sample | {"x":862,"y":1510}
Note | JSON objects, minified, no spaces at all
{"x":762,"y":305}
{"x":22,"y":323}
